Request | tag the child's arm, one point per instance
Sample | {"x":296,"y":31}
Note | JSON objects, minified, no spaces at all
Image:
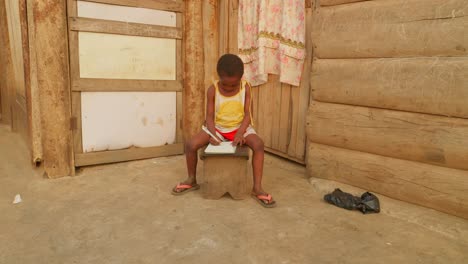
{"x":210,"y":124}
{"x":239,"y":138}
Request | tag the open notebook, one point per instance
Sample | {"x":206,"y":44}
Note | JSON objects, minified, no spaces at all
{"x":222,"y":148}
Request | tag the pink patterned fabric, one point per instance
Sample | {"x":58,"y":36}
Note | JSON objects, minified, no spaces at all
{"x":271,"y":39}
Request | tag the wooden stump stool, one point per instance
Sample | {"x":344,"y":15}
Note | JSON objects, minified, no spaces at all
{"x":226,"y":173}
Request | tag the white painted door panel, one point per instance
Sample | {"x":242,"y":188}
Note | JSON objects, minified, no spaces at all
{"x":119,"y":120}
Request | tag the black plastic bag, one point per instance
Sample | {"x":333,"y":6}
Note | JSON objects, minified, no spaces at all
{"x":367,"y":203}
{"x":343,"y":200}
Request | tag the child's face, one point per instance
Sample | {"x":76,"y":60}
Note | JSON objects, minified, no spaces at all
{"x":230,"y":83}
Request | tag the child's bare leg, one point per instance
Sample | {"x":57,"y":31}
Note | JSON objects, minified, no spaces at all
{"x":191,"y":147}
{"x":256,"y":144}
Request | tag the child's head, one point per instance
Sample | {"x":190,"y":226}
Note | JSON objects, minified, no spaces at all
{"x":230,"y":70}
{"x":230,"y":65}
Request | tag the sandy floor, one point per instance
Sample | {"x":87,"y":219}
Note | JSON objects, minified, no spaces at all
{"x":124,"y":213}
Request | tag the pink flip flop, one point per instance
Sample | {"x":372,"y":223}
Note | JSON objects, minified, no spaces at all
{"x":261,"y":198}
{"x":185,"y":188}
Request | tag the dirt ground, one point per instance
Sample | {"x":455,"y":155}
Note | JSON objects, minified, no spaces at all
{"x":124,"y":213}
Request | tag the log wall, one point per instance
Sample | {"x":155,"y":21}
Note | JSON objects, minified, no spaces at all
{"x":390,"y":87}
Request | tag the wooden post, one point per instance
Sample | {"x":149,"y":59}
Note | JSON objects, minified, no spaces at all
{"x":223,"y":27}
{"x":211,"y":38}
{"x":31,"y":92}
{"x":233,"y":47}
{"x":51,"y":42}
{"x":194,"y":102}
{"x":33,"y":100}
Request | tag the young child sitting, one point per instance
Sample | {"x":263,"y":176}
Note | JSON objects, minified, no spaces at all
{"x":228,"y":116}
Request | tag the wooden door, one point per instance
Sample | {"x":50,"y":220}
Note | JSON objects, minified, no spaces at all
{"x":126,"y":79}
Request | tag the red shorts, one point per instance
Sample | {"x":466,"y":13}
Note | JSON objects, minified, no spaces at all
{"x":229,"y":136}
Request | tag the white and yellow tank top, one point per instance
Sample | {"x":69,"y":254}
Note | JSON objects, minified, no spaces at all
{"x":229,"y":110}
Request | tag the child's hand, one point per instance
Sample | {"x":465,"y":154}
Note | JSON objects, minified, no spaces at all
{"x":238,"y":140}
{"x":213,"y":141}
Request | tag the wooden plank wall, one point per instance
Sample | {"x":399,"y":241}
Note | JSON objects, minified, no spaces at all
{"x":17,"y":68}
{"x":6,"y":90}
{"x":390,"y":87}
{"x":279,"y":109}
{"x":18,"y":82}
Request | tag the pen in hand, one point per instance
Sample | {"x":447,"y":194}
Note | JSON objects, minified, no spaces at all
{"x":209,"y":133}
